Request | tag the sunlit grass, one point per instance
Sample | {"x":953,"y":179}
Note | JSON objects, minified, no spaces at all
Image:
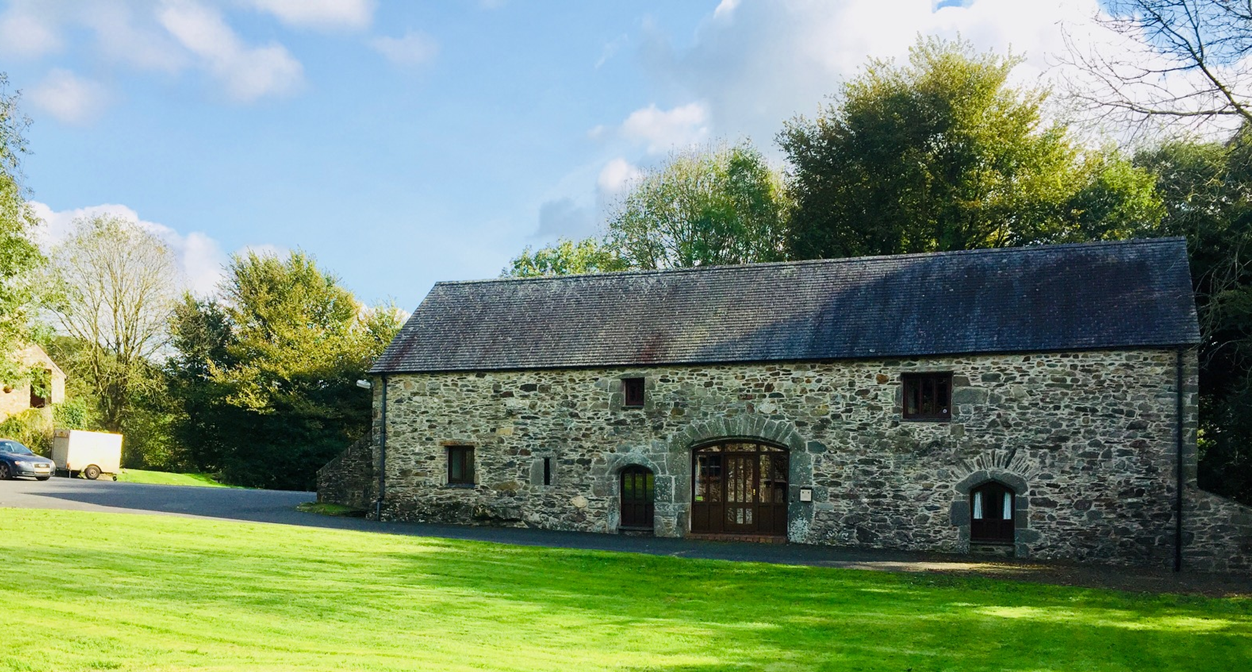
{"x":167,"y":478}
{"x":112,"y":591}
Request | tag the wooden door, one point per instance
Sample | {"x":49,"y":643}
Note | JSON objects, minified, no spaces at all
{"x":992,"y":514}
{"x":773,"y":493}
{"x":739,"y":488}
{"x":741,"y":493}
{"x":638,"y":497}
{"x":708,"y":505}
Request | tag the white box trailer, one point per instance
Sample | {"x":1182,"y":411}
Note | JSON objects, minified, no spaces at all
{"x":78,"y":451}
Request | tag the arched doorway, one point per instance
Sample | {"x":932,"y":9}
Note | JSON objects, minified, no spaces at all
{"x":739,"y":487}
{"x":992,"y":510}
{"x":638,"y":497}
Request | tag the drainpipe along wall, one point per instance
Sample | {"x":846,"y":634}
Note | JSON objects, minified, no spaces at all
{"x":382,"y":451}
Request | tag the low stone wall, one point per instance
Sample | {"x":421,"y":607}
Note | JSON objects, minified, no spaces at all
{"x":1217,"y":533}
{"x":348,"y":479}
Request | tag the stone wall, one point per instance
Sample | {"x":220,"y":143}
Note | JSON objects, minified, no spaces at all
{"x":1217,"y":533}
{"x":349,"y":479}
{"x":1086,"y":440}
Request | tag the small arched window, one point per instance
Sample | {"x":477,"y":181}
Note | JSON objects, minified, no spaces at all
{"x":992,"y":512}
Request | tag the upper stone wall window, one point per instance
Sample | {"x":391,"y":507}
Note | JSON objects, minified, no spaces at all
{"x":632,"y":389}
{"x":927,"y":396}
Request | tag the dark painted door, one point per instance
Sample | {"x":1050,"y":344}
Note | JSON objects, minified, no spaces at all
{"x":992,"y":512}
{"x":638,"y":495}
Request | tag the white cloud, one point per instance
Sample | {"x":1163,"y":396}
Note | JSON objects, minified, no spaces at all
{"x":663,"y":130}
{"x":412,"y":50}
{"x":320,"y":14}
{"x":124,"y":35}
{"x":26,"y":33}
{"x":725,"y":8}
{"x":249,"y":73}
{"x":69,"y":98}
{"x":755,"y":64}
{"x":611,"y":48}
{"x":563,"y":218}
{"x":616,"y":176}
{"x":200,"y":258}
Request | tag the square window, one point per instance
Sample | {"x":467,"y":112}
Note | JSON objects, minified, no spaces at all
{"x":460,"y":465}
{"x":927,"y":396}
{"x":632,"y":388}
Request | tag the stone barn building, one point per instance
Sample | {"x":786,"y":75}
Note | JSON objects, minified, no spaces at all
{"x":1036,"y":402}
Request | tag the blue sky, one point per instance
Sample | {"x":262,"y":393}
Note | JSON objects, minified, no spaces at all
{"x":403,"y":143}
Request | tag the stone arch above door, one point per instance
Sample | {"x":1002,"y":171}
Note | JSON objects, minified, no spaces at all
{"x":750,"y":426}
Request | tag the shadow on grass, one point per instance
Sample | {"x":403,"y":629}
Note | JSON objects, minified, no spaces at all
{"x":760,"y":615}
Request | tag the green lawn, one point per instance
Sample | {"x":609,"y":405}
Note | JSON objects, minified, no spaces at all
{"x":167,"y":478}
{"x":131,"y":592}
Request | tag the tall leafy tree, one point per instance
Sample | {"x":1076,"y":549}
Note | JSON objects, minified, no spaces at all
{"x":19,"y":256}
{"x":113,"y":284}
{"x":200,"y":338}
{"x":942,"y":153}
{"x":566,"y":257}
{"x":1206,"y":188}
{"x":721,"y":205}
{"x":266,"y":374}
{"x":710,"y":205}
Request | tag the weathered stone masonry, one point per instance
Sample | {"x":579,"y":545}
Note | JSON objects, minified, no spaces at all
{"x":1086,"y":439}
{"x":1082,"y":428}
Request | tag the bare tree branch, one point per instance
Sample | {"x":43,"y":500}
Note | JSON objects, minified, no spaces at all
{"x":1177,"y":62}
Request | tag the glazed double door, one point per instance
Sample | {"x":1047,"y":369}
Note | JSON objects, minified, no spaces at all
{"x":739,"y":489}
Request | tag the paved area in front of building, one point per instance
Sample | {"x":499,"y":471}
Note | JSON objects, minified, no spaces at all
{"x":278,"y":507}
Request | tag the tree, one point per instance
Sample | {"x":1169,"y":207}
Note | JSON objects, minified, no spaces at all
{"x":200,"y":337}
{"x":942,"y":154}
{"x":566,"y":257}
{"x":1185,"y":62}
{"x":714,"y":205}
{"x":711,"y":206}
{"x":265,"y":374}
{"x":112,"y":287}
{"x":19,"y":256}
{"x":1205,"y":188}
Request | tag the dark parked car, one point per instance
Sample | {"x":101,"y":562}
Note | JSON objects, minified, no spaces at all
{"x":18,"y":460}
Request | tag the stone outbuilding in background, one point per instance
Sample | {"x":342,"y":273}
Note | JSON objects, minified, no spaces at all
{"x":45,"y":387}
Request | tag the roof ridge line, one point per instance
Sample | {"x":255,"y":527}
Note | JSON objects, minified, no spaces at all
{"x":812,"y":262}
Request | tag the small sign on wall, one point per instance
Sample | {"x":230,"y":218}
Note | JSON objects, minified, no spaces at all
{"x":806,"y":494}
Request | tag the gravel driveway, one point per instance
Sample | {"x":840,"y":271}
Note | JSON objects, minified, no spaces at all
{"x":274,"y":506}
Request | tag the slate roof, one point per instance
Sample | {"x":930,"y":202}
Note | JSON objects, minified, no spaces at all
{"x":1025,"y":299}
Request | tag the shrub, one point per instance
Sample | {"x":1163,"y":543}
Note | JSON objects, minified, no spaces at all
{"x":32,"y":427}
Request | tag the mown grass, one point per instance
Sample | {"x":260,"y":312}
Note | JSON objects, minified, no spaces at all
{"x":167,"y":478}
{"x":130,"y":592}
